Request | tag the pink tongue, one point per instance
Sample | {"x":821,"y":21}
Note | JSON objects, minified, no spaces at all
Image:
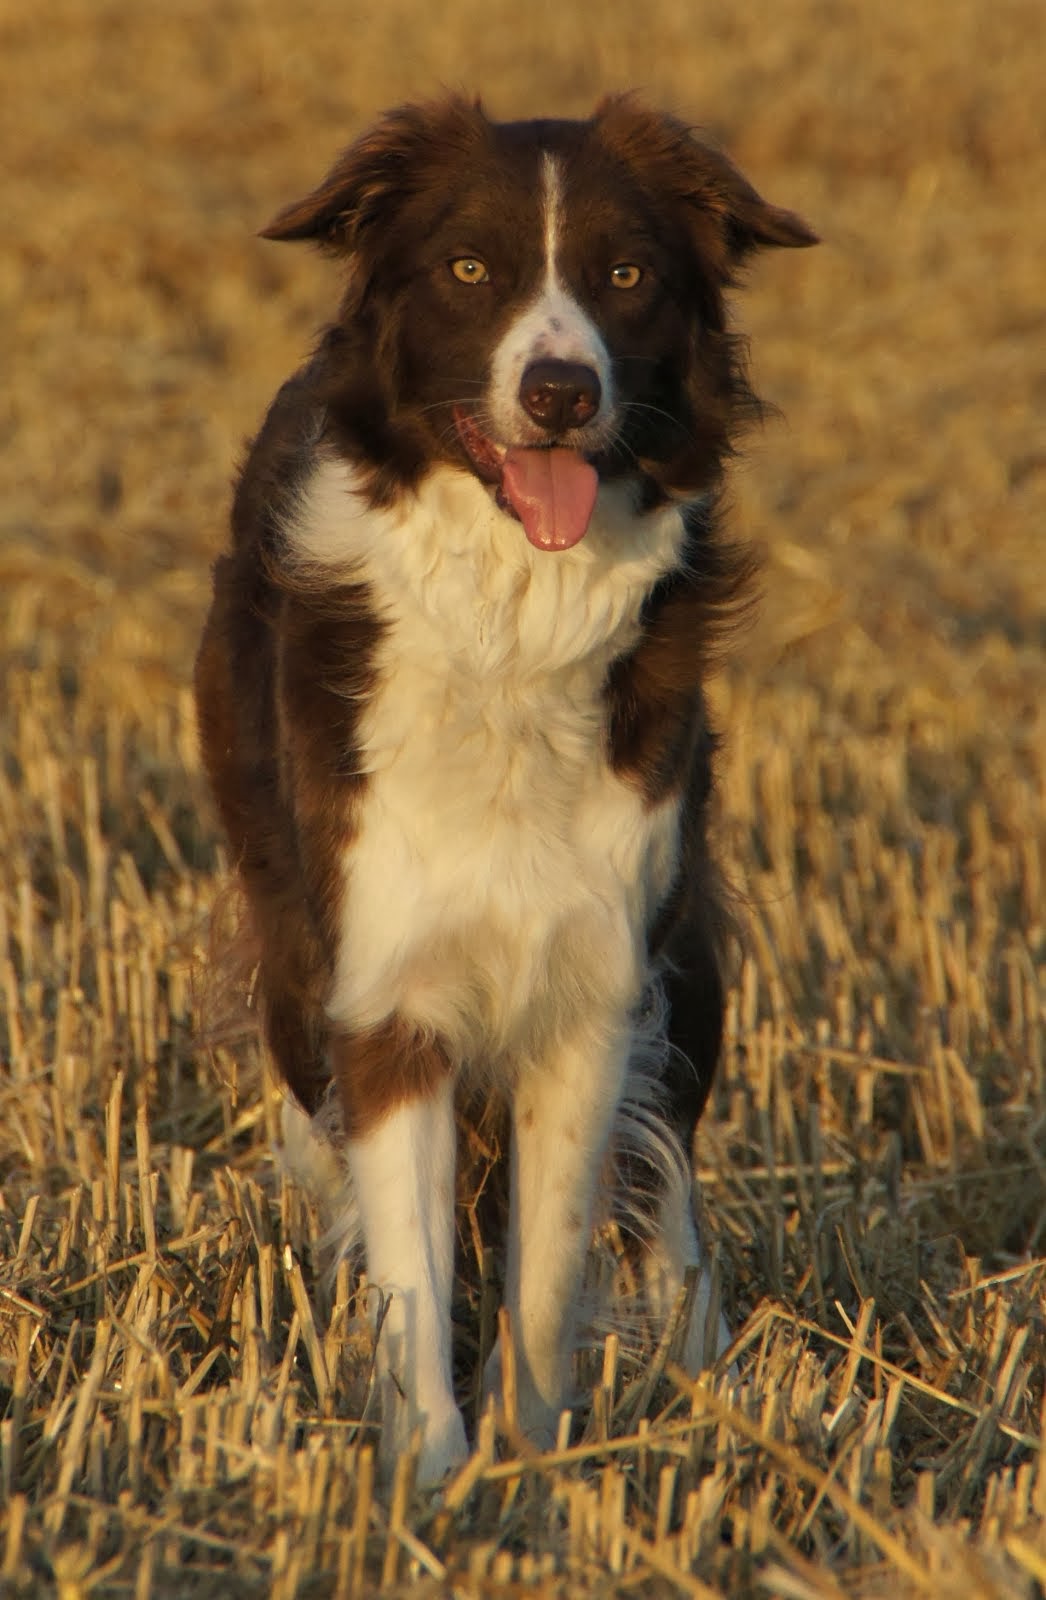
{"x":552,"y":493}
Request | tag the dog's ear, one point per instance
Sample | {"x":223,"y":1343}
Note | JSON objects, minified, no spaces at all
{"x":380,"y":171}
{"x":695,"y":172}
{"x":750,"y":221}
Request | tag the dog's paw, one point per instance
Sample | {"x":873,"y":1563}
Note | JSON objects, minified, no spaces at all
{"x":707,"y":1339}
{"x":443,"y":1443}
{"x":443,"y":1449}
{"x":535,"y":1418}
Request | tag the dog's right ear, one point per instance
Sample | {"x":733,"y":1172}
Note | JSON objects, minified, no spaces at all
{"x":380,"y":171}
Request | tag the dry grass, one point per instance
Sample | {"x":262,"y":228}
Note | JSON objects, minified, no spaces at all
{"x":179,"y":1411}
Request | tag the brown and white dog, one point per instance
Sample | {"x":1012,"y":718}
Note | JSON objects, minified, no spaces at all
{"x":450,"y":700}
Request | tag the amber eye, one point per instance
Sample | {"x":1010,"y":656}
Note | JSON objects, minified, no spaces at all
{"x":625,"y":275}
{"x":469,"y":269}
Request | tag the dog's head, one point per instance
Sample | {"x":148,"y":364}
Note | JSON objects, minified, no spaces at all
{"x":541,"y":303}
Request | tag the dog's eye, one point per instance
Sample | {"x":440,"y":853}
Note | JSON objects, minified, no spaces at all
{"x":625,"y":275}
{"x":469,"y":269}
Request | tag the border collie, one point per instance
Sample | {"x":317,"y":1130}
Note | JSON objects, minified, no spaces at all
{"x":451,"y":708}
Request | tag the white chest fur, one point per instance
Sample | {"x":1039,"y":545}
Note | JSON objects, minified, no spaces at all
{"x":502,"y":876}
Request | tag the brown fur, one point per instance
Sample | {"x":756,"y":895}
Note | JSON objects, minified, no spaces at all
{"x":379,"y":1069}
{"x":287,"y":659}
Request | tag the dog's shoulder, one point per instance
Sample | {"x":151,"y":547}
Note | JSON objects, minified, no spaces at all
{"x":280,"y":457}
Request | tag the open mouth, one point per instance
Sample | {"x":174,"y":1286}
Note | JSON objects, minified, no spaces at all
{"x":550,"y":490}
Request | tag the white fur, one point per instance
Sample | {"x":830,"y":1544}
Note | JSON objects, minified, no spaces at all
{"x":403,"y":1176}
{"x":497,"y":894}
{"x":552,"y":199}
{"x":562,"y":1114}
{"x":395,"y":1189}
{"x":312,"y":1152}
{"x":500,"y":870}
{"x":675,"y":1250}
{"x":552,"y":326}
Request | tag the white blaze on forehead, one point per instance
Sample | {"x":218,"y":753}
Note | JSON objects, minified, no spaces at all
{"x":552,"y":327}
{"x":552,"y":188}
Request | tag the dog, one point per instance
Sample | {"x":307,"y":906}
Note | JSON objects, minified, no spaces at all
{"x":450,"y":699}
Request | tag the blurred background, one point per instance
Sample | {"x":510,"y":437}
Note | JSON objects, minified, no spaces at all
{"x":882,"y":785}
{"x":874,"y":1156}
{"x":901,"y":498}
{"x":885,"y":763}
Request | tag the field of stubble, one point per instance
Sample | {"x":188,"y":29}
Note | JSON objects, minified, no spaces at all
{"x":180,"y":1396}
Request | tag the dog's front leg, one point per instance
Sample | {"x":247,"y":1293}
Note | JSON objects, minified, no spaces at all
{"x":402,"y":1170}
{"x":562,"y":1114}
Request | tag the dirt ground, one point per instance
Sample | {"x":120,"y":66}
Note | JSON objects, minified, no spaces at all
{"x":175,"y":1394}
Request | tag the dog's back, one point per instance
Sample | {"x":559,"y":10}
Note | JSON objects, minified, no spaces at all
{"x":451,"y":704}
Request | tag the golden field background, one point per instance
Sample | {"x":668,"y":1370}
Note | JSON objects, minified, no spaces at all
{"x":178,"y":1415}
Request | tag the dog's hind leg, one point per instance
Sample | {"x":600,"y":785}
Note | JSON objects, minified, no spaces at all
{"x":650,"y":1188}
{"x":694,"y":992}
{"x":670,"y":1255}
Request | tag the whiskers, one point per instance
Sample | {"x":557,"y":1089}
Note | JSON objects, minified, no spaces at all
{"x":631,"y":438}
{"x":475,"y":408}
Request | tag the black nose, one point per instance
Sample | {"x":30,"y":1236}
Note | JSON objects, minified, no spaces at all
{"x":559,"y":394}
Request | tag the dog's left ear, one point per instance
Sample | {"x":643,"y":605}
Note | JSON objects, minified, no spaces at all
{"x":731,"y":219}
{"x":750,"y":221}
{"x":378,"y":173}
